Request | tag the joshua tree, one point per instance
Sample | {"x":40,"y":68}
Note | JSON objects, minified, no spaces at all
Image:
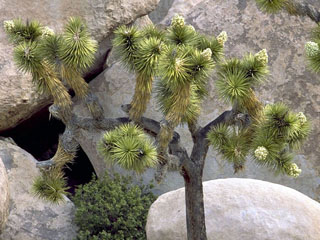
{"x":179,"y":60}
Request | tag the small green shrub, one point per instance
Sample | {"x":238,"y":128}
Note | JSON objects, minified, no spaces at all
{"x":112,"y":208}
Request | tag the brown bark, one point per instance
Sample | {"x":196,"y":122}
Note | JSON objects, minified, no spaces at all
{"x":195,"y":217}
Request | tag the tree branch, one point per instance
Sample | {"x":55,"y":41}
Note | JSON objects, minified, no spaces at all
{"x":177,"y":153}
{"x":225,"y":117}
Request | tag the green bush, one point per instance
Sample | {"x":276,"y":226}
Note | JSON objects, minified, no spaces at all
{"x":112,"y":209}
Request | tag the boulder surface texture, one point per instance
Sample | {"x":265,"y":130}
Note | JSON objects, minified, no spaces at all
{"x":238,"y":208}
{"x":31,"y":218}
{"x":18,"y":98}
{"x":4,"y":196}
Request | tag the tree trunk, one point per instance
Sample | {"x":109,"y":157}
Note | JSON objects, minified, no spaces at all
{"x":196,"y":226}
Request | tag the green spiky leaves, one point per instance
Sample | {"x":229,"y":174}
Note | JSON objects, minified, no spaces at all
{"x":280,"y":132}
{"x":179,"y":57}
{"x":174,"y":66}
{"x":27,"y":57}
{"x":232,"y":144}
{"x":179,"y":33}
{"x":271,"y":6}
{"x":129,"y":147}
{"x":237,"y":77}
{"x":282,"y":125}
{"x":49,"y":48}
{"x":78,"y":47}
{"x":20,"y":32}
{"x":280,"y":121}
{"x":269,"y":141}
{"x":147,"y":56}
{"x":50,"y":186}
{"x":126,"y":42}
{"x":232,"y":84}
{"x":204,"y":42}
{"x":52,"y":58}
{"x":184,"y":72}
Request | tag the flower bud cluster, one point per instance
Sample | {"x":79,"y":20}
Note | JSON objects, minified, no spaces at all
{"x":261,"y":153}
{"x":302,"y":118}
{"x":293,"y":170}
{"x":207,"y":53}
{"x":8,"y":25}
{"x":177,"y":21}
{"x":311,"y":48}
{"x":262,"y":56}
{"x":46,"y":32}
{"x":222,"y":37}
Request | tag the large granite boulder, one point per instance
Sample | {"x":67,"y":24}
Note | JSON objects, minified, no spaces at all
{"x":4,"y":196}
{"x":238,"y":208}
{"x":18,"y":98}
{"x":290,"y":82}
{"x":31,"y":218}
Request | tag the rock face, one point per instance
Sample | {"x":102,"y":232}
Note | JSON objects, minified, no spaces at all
{"x":18,"y":98}
{"x":31,"y":218}
{"x":290,"y":82}
{"x":168,"y":8}
{"x":243,"y":209}
{"x":4,"y":196}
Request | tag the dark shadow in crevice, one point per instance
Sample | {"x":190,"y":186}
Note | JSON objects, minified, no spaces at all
{"x":39,"y":137}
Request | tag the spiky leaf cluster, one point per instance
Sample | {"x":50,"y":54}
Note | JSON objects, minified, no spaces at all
{"x":204,"y":42}
{"x":53,"y":58}
{"x":19,"y":32}
{"x":179,"y":56}
{"x":78,"y":47}
{"x":51,"y":186}
{"x":125,"y":43}
{"x":278,"y":134}
{"x":231,"y":143}
{"x":129,"y":147}
{"x":179,"y":33}
{"x":270,"y":141}
{"x":237,"y":77}
{"x":271,"y":6}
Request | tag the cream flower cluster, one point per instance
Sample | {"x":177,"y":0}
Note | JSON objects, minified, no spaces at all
{"x":8,"y":25}
{"x":294,"y":170}
{"x":262,"y":56}
{"x":302,"y":118}
{"x":222,"y":37}
{"x":311,"y":48}
{"x":207,"y":53}
{"x":177,"y":21}
{"x":261,"y":153}
{"x":46,"y":32}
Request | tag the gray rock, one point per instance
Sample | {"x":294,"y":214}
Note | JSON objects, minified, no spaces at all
{"x":180,"y":7}
{"x":4,"y":196}
{"x":161,"y":11}
{"x":290,"y":82}
{"x":31,"y":218}
{"x":243,"y":209}
{"x":18,"y":98}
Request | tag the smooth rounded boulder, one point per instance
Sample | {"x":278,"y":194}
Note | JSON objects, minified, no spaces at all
{"x":238,"y":208}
